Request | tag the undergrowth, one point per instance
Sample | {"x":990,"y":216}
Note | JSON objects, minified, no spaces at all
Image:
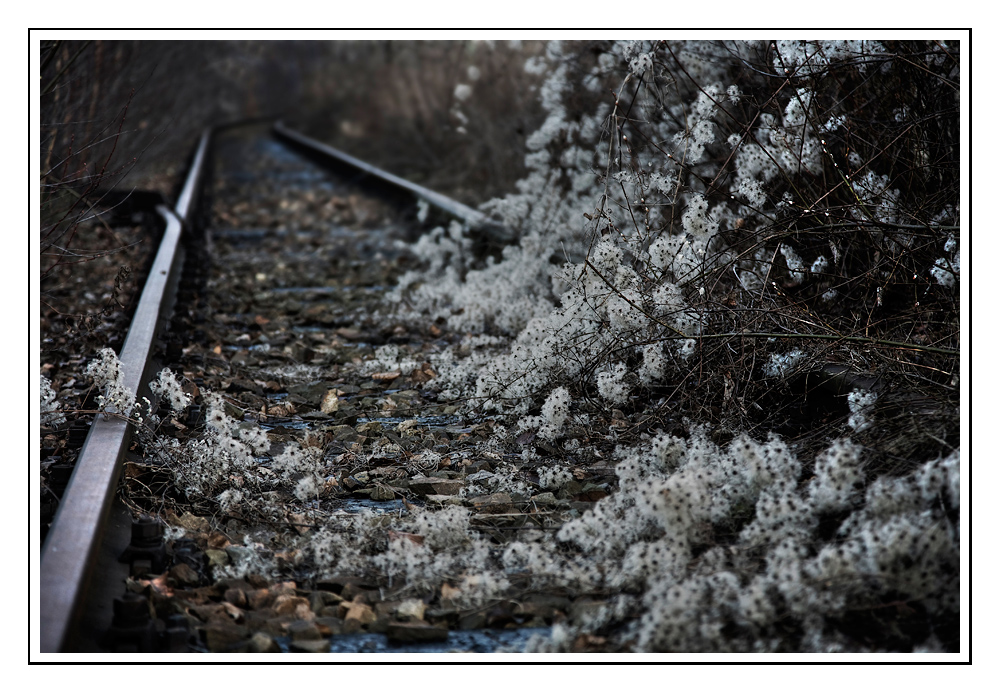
{"x":740,"y":233}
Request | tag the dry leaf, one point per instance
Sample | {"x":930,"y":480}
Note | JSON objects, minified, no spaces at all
{"x":331,"y":402}
{"x":413,"y":537}
{"x":407,"y":425}
{"x":386,"y":376}
{"x":424,"y":374}
{"x":160,"y":586}
{"x":218,"y":541}
{"x":299,"y":523}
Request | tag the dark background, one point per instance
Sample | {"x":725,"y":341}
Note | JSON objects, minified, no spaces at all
{"x":131,"y":111}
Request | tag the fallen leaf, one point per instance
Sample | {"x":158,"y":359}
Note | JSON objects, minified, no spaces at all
{"x":386,"y":376}
{"x":350,"y":333}
{"x":159,"y":585}
{"x":424,"y":374}
{"x":412,"y":537}
{"x":407,"y":425}
{"x":218,"y":541}
{"x":331,"y":402}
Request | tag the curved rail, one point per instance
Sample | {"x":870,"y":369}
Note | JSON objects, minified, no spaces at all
{"x":476,"y":220}
{"x":72,"y":544}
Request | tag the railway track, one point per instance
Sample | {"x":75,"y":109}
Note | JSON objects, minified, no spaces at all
{"x":304,"y":482}
{"x":301,"y":256}
{"x":708,"y":436}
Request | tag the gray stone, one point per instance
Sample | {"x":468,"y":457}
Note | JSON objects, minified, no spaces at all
{"x":497,"y":502}
{"x":382,"y":493}
{"x":216,"y":558}
{"x":303,"y":629}
{"x":479,"y":476}
{"x":311,"y":393}
{"x":263,"y":643}
{"x":424,"y":485}
{"x":411,"y":609}
{"x":310,"y":646}
{"x":223,"y":638}
{"x":415,"y":632}
{"x":237,"y":553}
{"x":344,"y":433}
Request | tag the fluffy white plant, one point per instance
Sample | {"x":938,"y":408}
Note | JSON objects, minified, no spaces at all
{"x":612,"y":386}
{"x":49,"y":404}
{"x":895,"y":540}
{"x":554,"y":414}
{"x":782,"y":363}
{"x":553,"y":477}
{"x":388,"y":358}
{"x":654,"y":363}
{"x":795,"y":266}
{"x":861,"y":404}
{"x":947,"y":270}
{"x":430,"y":549}
{"x":106,"y":370}
{"x":168,"y":387}
{"x":222,"y":463}
{"x":627,"y":286}
{"x":302,"y":469}
{"x":345,"y":543}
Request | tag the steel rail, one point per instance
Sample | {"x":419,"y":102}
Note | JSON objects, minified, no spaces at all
{"x":73,"y":541}
{"x":476,"y":220}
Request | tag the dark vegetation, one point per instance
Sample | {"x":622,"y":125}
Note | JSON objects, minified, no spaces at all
{"x":903,"y":125}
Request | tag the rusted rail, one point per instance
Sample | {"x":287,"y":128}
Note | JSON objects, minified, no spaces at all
{"x":73,"y":541}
